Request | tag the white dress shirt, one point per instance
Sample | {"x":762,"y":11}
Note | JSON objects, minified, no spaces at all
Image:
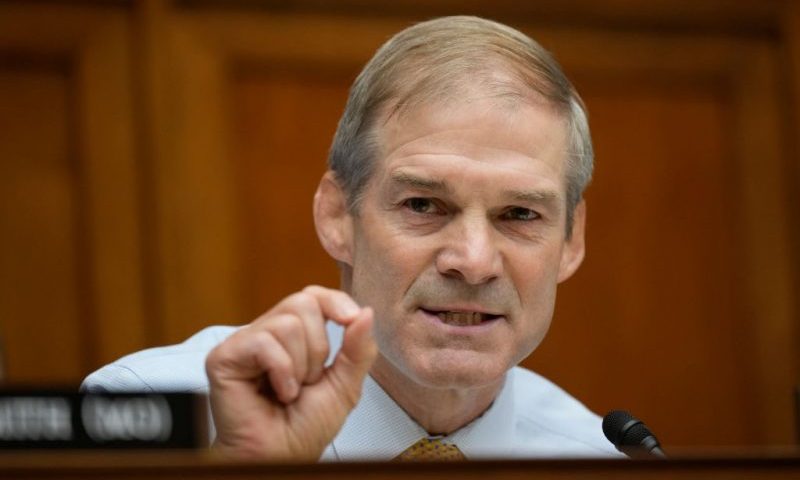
{"x":530,"y":418}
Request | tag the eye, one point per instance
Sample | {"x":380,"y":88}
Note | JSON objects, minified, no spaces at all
{"x":421,"y":205}
{"x":520,"y":214}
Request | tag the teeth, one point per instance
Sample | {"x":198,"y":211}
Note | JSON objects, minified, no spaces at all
{"x":461,"y":318}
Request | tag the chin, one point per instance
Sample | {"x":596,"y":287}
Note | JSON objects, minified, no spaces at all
{"x":459,"y":372}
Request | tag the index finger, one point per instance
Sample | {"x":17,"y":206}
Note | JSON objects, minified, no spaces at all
{"x":333,"y":304}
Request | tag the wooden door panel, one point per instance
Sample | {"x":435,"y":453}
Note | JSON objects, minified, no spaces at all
{"x":71,"y":272}
{"x":42,"y":278}
{"x":283,"y":123}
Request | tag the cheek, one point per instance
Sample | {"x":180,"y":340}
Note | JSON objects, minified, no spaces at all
{"x":532,"y":268}
{"x":537,"y":307}
{"x":384,"y":266}
{"x":535,"y":282}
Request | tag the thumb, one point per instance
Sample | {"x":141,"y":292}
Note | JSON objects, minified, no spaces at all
{"x":358,"y":351}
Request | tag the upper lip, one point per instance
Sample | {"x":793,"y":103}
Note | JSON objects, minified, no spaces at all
{"x":462,"y":308}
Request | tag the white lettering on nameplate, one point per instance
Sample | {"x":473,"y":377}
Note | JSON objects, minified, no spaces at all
{"x":35,"y":418}
{"x":123,"y":418}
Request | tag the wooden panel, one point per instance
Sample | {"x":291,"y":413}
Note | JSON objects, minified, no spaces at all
{"x":74,"y":285}
{"x":283,"y":122}
{"x":769,"y":255}
{"x":106,"y":135}
{"x":196,"y":225}
{"x":792,"y":115}
{"x":747,"y":16}
{"x":42,"y":260}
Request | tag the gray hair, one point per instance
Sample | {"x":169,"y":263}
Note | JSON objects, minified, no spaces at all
{"x":437,"y":60}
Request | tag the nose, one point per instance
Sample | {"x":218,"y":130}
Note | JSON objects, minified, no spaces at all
{"x":470,"y":252}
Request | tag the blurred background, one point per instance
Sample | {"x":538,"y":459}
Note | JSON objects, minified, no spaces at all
{"x":158,"y":160}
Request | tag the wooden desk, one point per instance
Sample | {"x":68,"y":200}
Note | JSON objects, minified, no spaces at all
{"x":172,"y":465}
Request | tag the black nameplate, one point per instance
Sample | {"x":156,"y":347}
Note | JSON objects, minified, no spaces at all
{"x":53,"y":419}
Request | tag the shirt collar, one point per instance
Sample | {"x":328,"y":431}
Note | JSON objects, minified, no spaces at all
{"x":378,"y":429}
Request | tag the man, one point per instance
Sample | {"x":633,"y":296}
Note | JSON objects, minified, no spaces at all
{"x":453,"y":206}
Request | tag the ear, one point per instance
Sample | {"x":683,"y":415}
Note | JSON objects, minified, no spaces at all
{"x":575,"y":247}
{"x":332,"y":219}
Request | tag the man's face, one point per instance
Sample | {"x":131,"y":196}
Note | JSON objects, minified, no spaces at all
{"x":460,"y":240}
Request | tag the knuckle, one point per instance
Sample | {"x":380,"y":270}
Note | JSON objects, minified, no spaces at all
{"x":314,"y":289}
{"x":262,"y":343}
{"x":302,"y":301}
{"x":285,"y":325}
{"x":259,"y":339}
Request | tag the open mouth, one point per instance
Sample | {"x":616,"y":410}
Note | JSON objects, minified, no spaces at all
{"x":462,"y":319}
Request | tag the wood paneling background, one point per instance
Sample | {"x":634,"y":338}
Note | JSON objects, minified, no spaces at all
{"x":157,"y":162}
{"x":71,"y":267}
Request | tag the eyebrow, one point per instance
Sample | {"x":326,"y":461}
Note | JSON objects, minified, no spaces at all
{"x":434,"y":185}
{"x":542,"y":196}
{"x":547,"y":197}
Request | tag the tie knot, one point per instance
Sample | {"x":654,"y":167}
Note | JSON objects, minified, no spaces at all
{"x":430,"y":449}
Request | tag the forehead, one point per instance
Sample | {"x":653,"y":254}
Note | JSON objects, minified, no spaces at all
{"x":523,"y":138}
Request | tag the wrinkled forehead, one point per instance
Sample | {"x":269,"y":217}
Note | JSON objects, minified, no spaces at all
{"x":477,"y":118}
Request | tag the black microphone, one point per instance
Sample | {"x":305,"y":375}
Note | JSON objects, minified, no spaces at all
{"x":630,"y":435}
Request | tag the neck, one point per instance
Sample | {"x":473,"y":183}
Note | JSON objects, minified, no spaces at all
{"x":440,"y":411}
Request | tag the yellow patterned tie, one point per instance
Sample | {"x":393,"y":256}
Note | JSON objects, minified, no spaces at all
{"x":430,"y":449}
